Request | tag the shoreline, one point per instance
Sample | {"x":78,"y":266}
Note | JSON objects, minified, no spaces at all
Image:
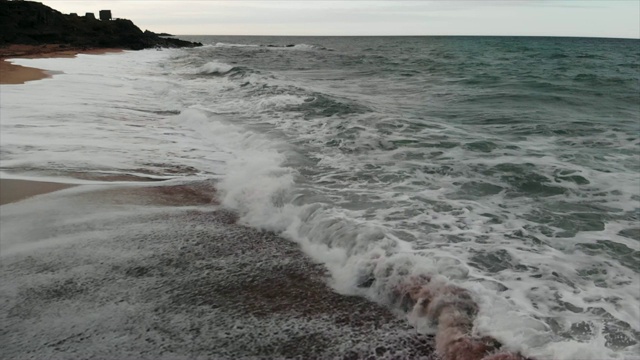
{"x":167,"y":267}
{"x":291,"y":288}
{"x":12,"y":74}
{"x":15,"y":190}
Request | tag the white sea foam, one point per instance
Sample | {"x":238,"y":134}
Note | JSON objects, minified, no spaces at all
{"x":221,"y":44}
{"x":215,"y":67}
{"x":108,"y":118}
{"x":304,"y":47}
{"x":280,"y":101}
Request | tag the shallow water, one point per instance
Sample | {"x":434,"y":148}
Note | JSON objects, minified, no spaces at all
{"x":508,"y":166}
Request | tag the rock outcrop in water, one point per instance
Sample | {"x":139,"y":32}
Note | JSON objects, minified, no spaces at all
{"x":32,"y":23}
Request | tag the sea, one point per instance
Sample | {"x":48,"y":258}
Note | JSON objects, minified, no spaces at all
{"x":508,"y":166}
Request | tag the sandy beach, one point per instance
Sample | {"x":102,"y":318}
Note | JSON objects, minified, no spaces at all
{"x":12,"y":74}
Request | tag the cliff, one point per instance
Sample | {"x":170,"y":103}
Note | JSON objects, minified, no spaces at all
{"x":33,"y":23}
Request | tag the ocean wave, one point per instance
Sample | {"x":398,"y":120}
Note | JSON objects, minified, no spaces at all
{"x":215,"y":67}
{"x":301,"y":47}
{"x":595,"y":80}
{"x":221,"y":44}
{"x":320,"y":105}
{"x":367,"y":257}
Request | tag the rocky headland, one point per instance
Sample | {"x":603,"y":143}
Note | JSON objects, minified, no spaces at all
{"x":35,"y":24}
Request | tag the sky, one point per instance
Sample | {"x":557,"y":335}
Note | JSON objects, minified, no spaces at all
{"x":588,"y":18}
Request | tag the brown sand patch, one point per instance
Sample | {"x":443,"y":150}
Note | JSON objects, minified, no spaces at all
{"x":453,"y":309}
{"x":111,"y":177}
{"x":12,"y":190}
{"x":11,"y":74}
{"x":193,"y":194}
{"x":51,"y":50}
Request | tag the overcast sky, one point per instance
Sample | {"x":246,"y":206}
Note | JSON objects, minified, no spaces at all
{"x":606,"y":18}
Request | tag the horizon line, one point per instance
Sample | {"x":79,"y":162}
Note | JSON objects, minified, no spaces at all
{"x":535,"y":36}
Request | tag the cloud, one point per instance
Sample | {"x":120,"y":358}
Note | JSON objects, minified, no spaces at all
{"x":363,"y":17}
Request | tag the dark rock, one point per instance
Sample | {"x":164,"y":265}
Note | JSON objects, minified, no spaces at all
{"x":32,"y":23}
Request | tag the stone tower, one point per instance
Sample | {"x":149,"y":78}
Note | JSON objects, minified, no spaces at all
{"x":105,"y":15}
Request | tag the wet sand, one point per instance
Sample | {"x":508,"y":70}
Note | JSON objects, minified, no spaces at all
{"x":52,"y":50}
{"x":125,"y":273}
{"x":12,"y":74}
{"x":12,"y":190}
